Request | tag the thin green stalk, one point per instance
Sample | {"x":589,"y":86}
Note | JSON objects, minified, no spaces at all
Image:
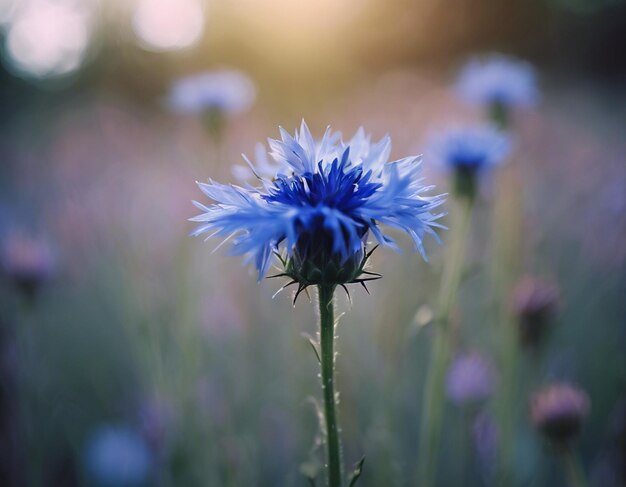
{"x":327,"y":338}
{"x":505,"y":264}
{"x":432,"y":413}
{"x":573,"y":468}
{"x":507,"y":407}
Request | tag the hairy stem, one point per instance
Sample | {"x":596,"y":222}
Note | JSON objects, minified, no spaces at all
{"x":327,"y":338}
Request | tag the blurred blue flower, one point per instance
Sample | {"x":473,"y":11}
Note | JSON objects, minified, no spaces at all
{"x":117,"y":456}
{"x":321,"y":205}
{"x":228,"y":92}
{"x":471,"y":378}
{"x":498,"y":79}
{"x":472,"y":148}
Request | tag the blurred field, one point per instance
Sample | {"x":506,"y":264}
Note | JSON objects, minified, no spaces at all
{"x":142,"y":326}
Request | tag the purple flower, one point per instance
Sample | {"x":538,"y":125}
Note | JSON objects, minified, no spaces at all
{"x":534,"y":301}
{"x":485,"y":439}
{"x":471,"y":378}
{"x":558,"y":411}
{"x":27,"y":262}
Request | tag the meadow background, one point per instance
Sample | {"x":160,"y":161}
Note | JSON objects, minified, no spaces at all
{"x":198,"y":375}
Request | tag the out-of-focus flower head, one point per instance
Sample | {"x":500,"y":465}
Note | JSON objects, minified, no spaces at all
{"x":212,"y":94}
{"x":471,"y":378}
{"x":117,"y":456}
{"x":156,"y":418}
{"x":47,"y":38}
{"x":319,"y":209}
{"x":558,"y":411}
{"x":485,"y":440}
{"x":468,"y":151}
{"x":27,"y":262}
{"x":534,"y":301}
{"x":500,"y":83}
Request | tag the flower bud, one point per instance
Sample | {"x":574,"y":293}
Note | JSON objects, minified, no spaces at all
{"x":313,"y":264}
{"x":558,"y":411}
{"x":534,"y":302}
{"x":28,"y":263}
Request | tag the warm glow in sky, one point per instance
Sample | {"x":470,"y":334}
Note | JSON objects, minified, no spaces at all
{"x":167,"y":25}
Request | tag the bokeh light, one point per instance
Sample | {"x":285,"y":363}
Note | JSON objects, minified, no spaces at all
{"x":7,"y":9}
{"x":46,"y":38}
{"x":168,"y":25}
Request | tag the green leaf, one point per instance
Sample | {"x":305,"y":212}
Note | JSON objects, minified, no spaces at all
{"x":356,"y":472}
{"x":314,"y":345}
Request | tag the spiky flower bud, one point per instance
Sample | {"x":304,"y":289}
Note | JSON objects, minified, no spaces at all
{"x":558,"y":411}
{"x":534,"y":302}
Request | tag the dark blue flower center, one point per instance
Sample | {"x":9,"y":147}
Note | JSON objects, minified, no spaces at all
{"x":340,"y":187}
{"x":468,"y":160}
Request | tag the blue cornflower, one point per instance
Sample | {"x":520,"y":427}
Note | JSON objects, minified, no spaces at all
{"x":477,"y":147}
{"x":227,"y":92}
{"x":498,"y":79}
{"x":500,"y":83}
{"x":320,"y":206}
{"x":468,"y":151}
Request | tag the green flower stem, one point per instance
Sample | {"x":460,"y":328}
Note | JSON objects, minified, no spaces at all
{"x":573,"y":468}
{"x":327,"y":338}
{"x":434,"y":400}
{"x":505,"y":268}
{"x":507,"y":407}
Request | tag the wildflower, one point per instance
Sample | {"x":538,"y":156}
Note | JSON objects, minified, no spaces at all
{"x":28,"y":263}
{"x":499,"y":83}
{"x":117,"y":456}
{"x":320,"y":207}
{"x":467,"y":152}
{"x":214,"y":95}
{"x":263,"y":166}
{"x":470,"y":378}
{"x":156,"y":421}
{"x":558,"y":411}
{"x":485,"y":439}
{"x":267,"y":168}
{"x":534,"y":302}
